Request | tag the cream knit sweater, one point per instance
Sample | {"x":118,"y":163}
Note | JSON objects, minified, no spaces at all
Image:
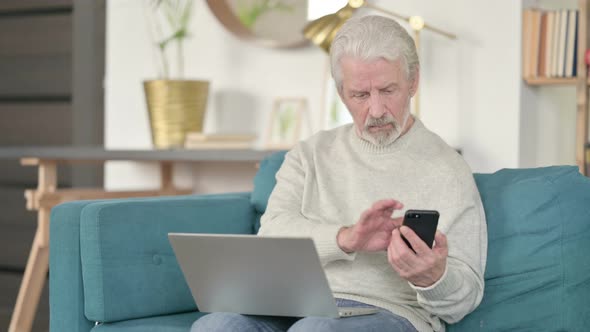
{"x":327,"y":181}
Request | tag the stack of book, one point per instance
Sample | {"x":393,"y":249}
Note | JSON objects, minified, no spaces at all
{"x":196,"y":140}
{"x":549,"y":39}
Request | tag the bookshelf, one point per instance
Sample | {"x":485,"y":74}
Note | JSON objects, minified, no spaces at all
{"x":551,"y":81}
{"x":580,"y":81}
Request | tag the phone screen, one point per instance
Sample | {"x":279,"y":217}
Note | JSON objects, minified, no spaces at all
{"x":423,"y":223}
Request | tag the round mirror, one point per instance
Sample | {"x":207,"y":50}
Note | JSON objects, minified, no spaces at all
{"x":271,"y":23}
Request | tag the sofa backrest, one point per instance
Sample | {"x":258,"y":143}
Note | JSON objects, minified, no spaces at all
{"x":128,"y":266}
{"x":538,"y":273}
{"x":264,"y":182}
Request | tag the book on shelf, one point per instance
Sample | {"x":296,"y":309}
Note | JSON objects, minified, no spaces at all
{"x":560,"y":64}
{"x":570,"y":67}
{"x":542,"y":45}
{"x":549,"y":42}
{"x":556,"y":42}
{"x":535,"y":42}
{"x":195,"y":140}
{"x":550,"y":22}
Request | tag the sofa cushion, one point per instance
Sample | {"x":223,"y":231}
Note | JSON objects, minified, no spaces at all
{"x":128,"y":266}
{"x":264,"y":182}
{"x":538,"y":271}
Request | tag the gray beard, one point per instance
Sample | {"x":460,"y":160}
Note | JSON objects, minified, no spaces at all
{"x":384,"y":138}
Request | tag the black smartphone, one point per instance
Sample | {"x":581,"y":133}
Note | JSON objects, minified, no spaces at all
{"x":423,"y":223}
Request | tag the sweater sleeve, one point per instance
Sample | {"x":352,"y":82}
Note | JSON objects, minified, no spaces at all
{"x":460,"y":290}
{"x":283,"y":215}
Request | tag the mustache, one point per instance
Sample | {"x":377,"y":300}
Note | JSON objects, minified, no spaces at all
{"x":380,"y":121}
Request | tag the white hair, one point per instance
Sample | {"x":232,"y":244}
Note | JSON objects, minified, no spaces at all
{"x":370,"y":38}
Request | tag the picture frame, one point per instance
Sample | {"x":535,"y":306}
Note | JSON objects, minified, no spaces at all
{"x":285,"y":123}
{"x":334,"y":113}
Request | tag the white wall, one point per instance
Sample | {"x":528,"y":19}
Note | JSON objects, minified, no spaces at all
{"x":548,"y":126}
{"x":470,"y":86}
{"x":470,"y":91}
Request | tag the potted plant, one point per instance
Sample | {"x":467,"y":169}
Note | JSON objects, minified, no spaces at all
{"x":175,"y":105}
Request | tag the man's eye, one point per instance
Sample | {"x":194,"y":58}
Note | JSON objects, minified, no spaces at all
{"x":360,"y":95}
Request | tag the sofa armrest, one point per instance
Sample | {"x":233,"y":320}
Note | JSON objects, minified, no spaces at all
{"x":126,"y":263}
{"x":66,"y":294}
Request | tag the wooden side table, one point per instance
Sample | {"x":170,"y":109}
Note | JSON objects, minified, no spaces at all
{"x":47,"y":195}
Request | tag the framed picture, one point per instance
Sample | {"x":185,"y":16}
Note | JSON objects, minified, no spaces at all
{"x":335,"y":113}
{"x":286,"y":122}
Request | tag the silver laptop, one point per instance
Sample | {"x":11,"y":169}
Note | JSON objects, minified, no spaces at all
{"x":253,"y":275}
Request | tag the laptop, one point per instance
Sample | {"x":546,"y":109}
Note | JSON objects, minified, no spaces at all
{"x":252,"y":275}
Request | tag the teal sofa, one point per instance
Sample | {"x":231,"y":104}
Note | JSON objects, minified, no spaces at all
{"x":111,"y":262}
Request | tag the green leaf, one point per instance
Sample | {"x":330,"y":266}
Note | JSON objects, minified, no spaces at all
{"x":171,"y":19}
{"x":186,"y":15}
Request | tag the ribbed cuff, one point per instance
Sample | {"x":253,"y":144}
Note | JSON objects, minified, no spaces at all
{"x":326,"y":242}
{"x":447,"y":284}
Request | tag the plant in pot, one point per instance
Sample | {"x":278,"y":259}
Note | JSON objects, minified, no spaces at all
{"x":175,"y":105}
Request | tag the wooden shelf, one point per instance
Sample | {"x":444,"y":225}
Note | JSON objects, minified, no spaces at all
{"x":553,"y":81}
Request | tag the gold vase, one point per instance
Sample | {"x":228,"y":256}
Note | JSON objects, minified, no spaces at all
{"x":175,"y":107}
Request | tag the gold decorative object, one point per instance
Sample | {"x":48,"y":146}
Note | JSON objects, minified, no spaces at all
{"x":416,"y":22}
{"x":323,"y":30}
{"x":175,"y":107}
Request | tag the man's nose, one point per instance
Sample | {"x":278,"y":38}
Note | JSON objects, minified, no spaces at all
{"x":376,"y":107}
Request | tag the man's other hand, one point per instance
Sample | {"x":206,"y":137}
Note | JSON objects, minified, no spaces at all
{"x":373,"y":230}
{"x":425,"y":266}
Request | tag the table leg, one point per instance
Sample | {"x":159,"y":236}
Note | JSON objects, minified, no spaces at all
{"x":38,"y":262}
{"x":166,"y":176}
{"x":33,"y":279}
{"x":167,"y":186}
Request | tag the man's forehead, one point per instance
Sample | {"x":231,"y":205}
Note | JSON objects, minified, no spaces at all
{"x":361,"y":74}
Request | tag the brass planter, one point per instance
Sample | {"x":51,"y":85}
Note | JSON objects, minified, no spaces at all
{"x":175,"y":107}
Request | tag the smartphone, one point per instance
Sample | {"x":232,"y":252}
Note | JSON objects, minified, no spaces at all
{"x":423,"y":223}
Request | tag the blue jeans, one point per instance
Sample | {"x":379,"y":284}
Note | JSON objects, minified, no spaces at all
{"x":381,"y":321}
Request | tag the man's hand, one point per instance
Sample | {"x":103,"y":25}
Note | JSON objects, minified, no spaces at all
{"x":373,"y":230}
{"x":422,"y":268}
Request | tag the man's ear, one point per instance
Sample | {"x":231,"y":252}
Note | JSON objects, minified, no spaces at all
{"x":415,"y":82}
